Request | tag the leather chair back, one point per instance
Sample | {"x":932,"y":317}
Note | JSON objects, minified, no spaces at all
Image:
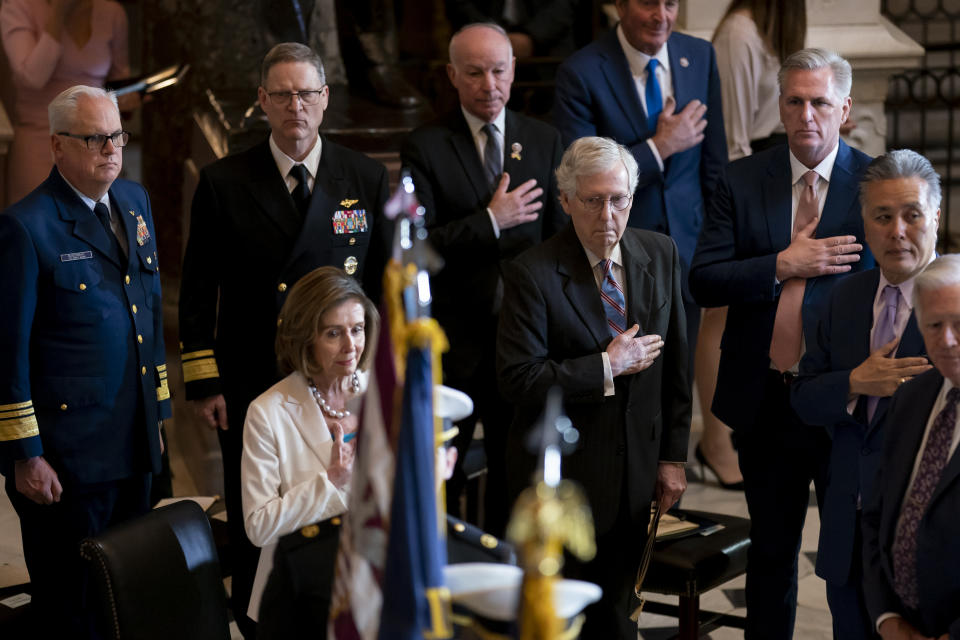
{"x":158,"y":576}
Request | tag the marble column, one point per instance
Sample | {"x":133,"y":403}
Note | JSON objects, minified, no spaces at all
{"x":855,"y":29}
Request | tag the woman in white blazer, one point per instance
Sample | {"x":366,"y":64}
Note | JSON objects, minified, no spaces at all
{"x":298,"y":448}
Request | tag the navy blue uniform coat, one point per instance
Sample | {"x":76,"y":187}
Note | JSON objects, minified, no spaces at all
{"x":83,"y":380}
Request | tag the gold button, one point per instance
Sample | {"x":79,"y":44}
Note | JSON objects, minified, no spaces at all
{"x":282,"y":287}
{"x":459,"y":527}
{"x":310,"y":531}
{"x":140,"y":338}
{"x":149,"y":260}
{"x":353,"y":241}
{"x":126,"y":279}
{"x":83,"y":287}
{"x":134,"y":308}
{"x":143,"y":371}
{"x":63,"y":407}
{"x":335,"y":521}
{"x":488,"y":541}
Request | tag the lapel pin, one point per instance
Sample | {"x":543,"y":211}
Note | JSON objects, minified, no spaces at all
{"x":684,"y":62}
{"x":515,"y":150}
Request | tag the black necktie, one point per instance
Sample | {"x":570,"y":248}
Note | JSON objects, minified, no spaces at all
{"x":492,"y":156}
{"x":301,"y":192}
{"x":103,"y":214}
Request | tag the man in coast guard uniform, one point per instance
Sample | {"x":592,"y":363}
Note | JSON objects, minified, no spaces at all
{"x":83,"y":384}
{"x":260,"y":220}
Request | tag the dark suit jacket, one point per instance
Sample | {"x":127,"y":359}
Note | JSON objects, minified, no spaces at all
{"x":748,"y":223}
{"x":552,"y":332}
{"x":450,"y":183}
{"x":83,"y":380}
{"x":938,"y":555}
{"x":819,"y":395}
{"x":596,"y":96}
{"x":247,"y":248}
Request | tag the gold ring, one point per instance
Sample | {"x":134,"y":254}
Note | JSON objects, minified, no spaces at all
{"x":902,"y":380}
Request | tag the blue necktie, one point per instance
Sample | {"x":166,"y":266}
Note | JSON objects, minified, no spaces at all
{"x":653,"y":96}
{"x":614,"y":305}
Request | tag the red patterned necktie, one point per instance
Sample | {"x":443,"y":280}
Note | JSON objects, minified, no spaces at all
{"x":614,"y":304}
{"x":933,"y":460}
{"x":788,"y":325}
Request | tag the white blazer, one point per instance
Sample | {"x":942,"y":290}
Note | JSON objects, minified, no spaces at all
{"x":283,"y":472}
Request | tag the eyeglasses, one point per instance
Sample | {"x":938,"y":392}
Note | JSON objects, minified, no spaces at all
{"x":307,"y":98}
{"x":97,"y":140}
{"x":595,"y":204}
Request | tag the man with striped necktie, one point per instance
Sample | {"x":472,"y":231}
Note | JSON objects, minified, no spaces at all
{"x":597,"y":310}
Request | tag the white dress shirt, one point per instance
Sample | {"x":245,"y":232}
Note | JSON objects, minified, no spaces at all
{"x":284,"y":163}
{"x":637,"y":61}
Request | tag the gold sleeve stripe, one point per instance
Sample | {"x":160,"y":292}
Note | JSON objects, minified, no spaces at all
{"x":200,"y":370}
{"x":19,"y":428}
{"x":163,"y":391}
{"x":17,"y":405}
{"x":9,"y":415}
{"x":161,"y":367}
{"x":206,"y":353}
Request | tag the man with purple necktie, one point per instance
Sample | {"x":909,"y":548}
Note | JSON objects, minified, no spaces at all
{"x":866,"y":344}
{"x":910,"y":526}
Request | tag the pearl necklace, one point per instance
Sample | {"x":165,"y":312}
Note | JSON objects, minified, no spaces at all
{"x":326,"y":408}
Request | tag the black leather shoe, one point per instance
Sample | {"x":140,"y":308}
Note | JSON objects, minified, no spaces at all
{"x":392,"y":89}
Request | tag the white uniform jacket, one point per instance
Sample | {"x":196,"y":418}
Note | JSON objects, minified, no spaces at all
{"x":283,"y":473}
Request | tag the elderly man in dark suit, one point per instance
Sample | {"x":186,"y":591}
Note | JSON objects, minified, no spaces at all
{"x":83,"y":383}
{"x":866,"y":344}
{"x":781,"y":229}
{"x":657,"y":93}
{"x":485,"y":177}
{"x":597,"y":310}
{"x":260,"y":220}
{"x":910,"y":526}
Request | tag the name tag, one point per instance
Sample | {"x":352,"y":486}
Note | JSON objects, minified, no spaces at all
{"x":70,"y":257}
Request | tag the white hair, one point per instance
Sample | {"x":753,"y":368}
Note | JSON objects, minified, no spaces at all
{"x":942,"y":272}
{"x":592,"y":155}
{"x":63,"y":108}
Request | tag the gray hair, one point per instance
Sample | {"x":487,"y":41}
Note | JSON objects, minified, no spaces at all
{"x":291,"y":52}
{"x":903,"y":163}
{"x":473,"y":25}
{"x":62,"y":109}
{"x":590,"y":156}
{"x":942,"y":272}
{"x":813,"y":59}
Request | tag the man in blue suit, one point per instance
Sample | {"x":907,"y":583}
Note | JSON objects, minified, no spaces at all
{"x":910,"y":525}
{"x":865,"y":346}
{"x":649,"y":89}
{"x":83,"y":383}
{"x":781,"y":229}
